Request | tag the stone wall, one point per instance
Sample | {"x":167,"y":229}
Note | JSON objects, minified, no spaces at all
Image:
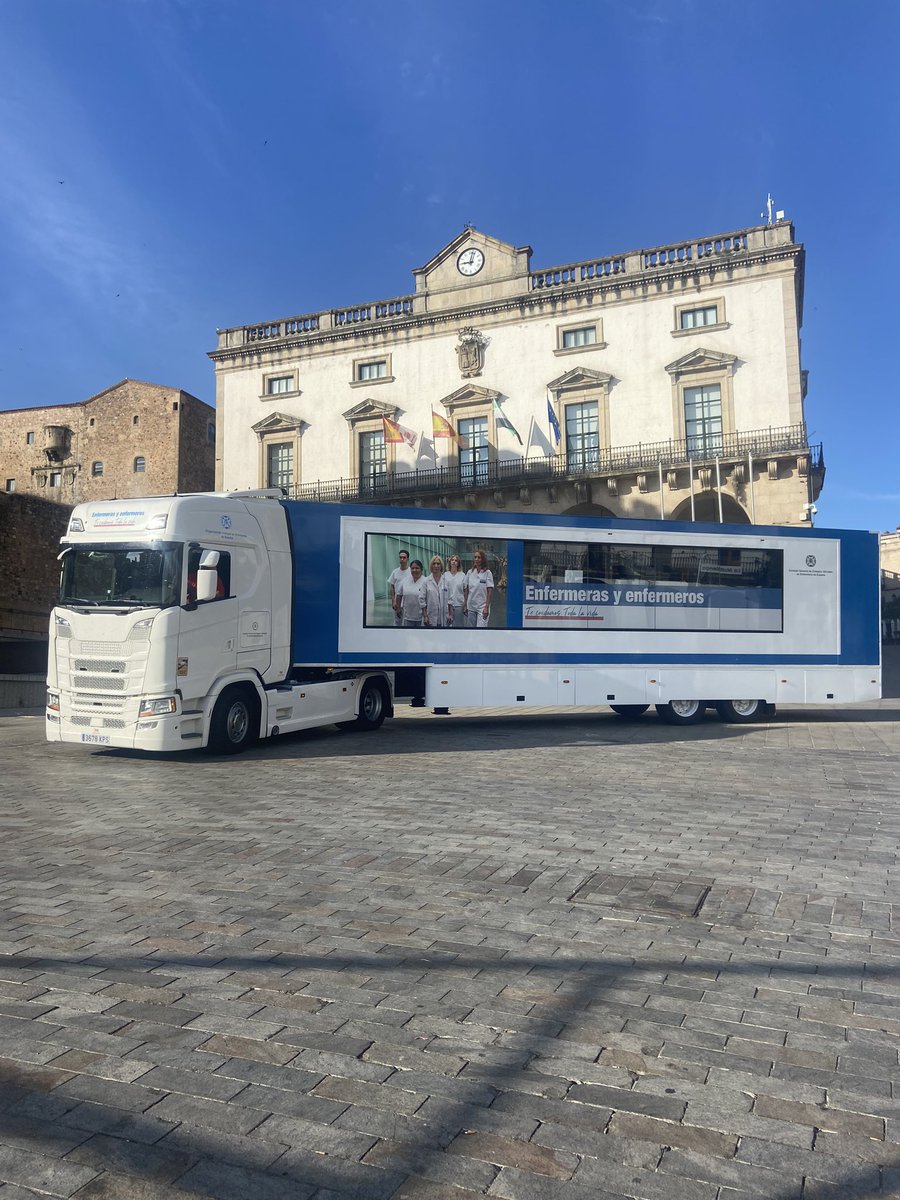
{"x":133,"y":439}
{"x":30,"y":529}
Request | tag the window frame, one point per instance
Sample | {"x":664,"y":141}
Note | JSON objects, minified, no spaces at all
{"x":290,"y":373}
{"x":95,"y":474}
{"x":274,"y":443}
{"x":696,"y":305}
{"x":54,"y":479}
{"x":371,"y":360}
{"x":701,"y":370}
{"x":571,"y":327}
{"x":139,"y":470}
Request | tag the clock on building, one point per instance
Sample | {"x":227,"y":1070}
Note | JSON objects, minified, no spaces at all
{"x":470,"y":261}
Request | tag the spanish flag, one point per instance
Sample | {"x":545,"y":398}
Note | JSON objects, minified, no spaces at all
{"x":441,"y":427}
{"x":397,"y":433}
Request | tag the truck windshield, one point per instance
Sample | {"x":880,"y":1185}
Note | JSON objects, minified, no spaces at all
{"x":137,"y":576}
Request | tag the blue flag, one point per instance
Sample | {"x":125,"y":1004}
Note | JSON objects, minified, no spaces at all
{"x":554,"y":424}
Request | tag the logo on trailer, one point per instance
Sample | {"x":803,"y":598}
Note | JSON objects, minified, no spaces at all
{"x":226,"y":524}
{"x":810,"y":560}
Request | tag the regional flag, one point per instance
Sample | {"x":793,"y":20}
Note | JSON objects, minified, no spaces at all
{"x":554,"y":423}
{"x":503,"y":422}
{"x":397,"y":433}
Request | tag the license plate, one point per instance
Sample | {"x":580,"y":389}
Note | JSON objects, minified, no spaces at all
{"x":96,"y":739}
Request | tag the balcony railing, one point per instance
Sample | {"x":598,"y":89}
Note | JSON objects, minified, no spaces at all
{"x":524,"y":472}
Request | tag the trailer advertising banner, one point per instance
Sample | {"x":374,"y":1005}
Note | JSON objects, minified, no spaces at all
{"x":596,"y":586}
{"x":418,"y":581}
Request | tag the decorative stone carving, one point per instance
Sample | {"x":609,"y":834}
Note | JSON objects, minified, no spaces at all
{"x":612,"y":486}
{"x":772,"y":465}
{"x":642,"y":483}
{"x":704,"y":474}
{"x":525,"y":495}
{"x":471,"y":499}
{"x":499,"y":499}
{"x":551,"y":493}
{"x":739,"y":474}
{"x":470,"y":352}
{"x":803,"y":466}
{"x":672,"y":480}
{"x":583,"y":491}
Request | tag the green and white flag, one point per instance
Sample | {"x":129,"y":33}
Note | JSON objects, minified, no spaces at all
{"x":503,"y":422}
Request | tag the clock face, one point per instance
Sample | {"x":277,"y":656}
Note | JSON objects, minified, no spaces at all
{"x":470,"y":262}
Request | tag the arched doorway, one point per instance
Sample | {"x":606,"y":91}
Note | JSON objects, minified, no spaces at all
{"x":706,"y":508}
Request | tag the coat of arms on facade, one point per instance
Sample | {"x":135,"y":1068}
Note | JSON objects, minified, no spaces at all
{"x":470,"y":352}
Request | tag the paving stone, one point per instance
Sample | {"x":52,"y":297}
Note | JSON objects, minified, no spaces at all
{"x":57,"y":1176}
{"x":430,"y":1163}
{"x":530,"y":1156}
{"x":385,"y":934}
{"x":154,"y":1162}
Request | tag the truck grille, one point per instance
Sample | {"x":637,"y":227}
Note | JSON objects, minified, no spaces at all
{"x":102,"y":723}
{"x":101,"y":682}
{"x":99,"y":664}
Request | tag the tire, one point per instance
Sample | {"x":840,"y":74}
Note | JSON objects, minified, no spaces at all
{"x":682,"y":712}
{"x":740,"y":712}
{"x":373,"y":707}
{"x":234,"y":725}
{"x":629,"y":711}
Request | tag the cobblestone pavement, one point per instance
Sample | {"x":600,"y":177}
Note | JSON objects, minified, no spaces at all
{"x":532,"y":957}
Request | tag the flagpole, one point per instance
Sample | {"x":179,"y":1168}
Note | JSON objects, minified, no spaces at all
{"x":530,"y":433}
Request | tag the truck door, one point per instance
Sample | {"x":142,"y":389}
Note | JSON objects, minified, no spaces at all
{"x":207,"y":644}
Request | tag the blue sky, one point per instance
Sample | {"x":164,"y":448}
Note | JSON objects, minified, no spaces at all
{"x":168,"y":167}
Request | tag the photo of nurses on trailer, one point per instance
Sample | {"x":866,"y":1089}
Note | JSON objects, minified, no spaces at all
{"x":424,"y":582}
{"x":608,"y":585}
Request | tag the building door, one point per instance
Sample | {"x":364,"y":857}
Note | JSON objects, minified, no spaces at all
{"x":582,"y":436}
{"x":372,"y":463}
{"x":703,"y":420}
{"x":473,"y":451}
{"x":280,"y":465}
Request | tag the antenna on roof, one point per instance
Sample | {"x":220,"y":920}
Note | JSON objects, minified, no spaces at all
{"x":770,"y":204}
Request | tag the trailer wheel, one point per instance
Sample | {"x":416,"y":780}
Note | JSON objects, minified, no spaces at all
{"x":234,"y":725}
{"x":682,"y":712}
{"x":629,"y":711}
{"x":738,"y":712}
{"x":373,"y":707}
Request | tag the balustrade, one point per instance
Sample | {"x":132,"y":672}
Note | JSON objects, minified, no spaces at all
{"x":605,"y":461}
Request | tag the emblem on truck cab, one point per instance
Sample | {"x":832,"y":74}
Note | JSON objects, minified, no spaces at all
{"x":226,"y":522}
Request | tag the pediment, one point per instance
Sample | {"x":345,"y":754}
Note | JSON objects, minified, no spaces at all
{"x":370,"y":410}
{"x":277,"y":422}
{"x":578,"y":378}
{"x":471,"y":394}
{"x":471,"y":237}
{"x":702,"y":360}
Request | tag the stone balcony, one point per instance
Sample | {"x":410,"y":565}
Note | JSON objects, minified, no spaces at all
{"x":602,"y":478}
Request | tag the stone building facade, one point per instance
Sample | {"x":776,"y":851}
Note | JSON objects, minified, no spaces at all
{"x":663,"y":382}
{"x":132,"y":439}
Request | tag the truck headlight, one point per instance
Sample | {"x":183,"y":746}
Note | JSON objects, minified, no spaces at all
{"x":53,"y":701}
{"x":157,"y":708}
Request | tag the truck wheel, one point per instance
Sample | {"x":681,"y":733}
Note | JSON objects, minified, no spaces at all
{"x":682,"y":712}
{"x":373,"y":707}
{"x":738,"y":712}
{"x":235,"y":721}
{"x":629,"y":711}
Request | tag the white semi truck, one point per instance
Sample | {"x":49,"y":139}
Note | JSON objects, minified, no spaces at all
{"x":212,"y":620}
